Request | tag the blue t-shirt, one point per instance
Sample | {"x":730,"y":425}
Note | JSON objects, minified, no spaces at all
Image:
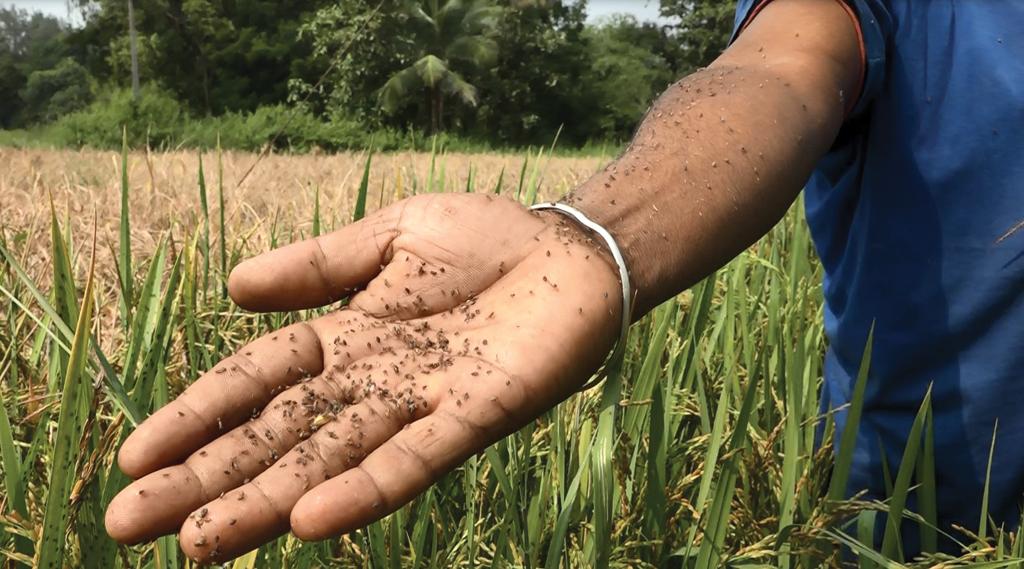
{"x":907,"y":211}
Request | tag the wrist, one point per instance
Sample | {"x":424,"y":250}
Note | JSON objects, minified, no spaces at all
{"x":590,"y":234}
{"x":569,"y":229}
{"x":619,"y":218}
{"x":595,"y":276}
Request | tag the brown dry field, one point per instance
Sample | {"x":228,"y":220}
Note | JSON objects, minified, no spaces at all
{"x":165,"y":197}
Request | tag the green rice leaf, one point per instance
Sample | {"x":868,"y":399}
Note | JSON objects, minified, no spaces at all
{"x":222,"y":227}
{"x":983,"y":522}
{"x":844,"y":459}
{"x":602,"y":461}
{"x":50,"y":548}
{"x":10,"y":460}
{"x":522,"y":177}
{"x":891,"y":543}
{"x":364,"y":186}
{"x":316,"y":211}
{"x":557,"y":545}
{"x":146,"y":314}
{"x":124,"y":265}
{"x":926,"y":490}
{"x":501,"y":178}
{"x":716,"y":522}
{"x":155,"y":358}
{"x":863,"y":552}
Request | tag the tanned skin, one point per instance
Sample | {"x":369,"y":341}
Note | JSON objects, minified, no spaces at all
{"x":469,"y":316}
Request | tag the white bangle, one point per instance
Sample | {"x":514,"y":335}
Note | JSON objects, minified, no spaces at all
{"x":620,"y":261}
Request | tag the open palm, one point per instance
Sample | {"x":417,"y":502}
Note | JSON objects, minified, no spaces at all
{"x":470,"y":317}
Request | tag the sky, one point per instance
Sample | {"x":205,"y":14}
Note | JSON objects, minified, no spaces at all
{"x":57,"y":8}
{"x":644,"y":10}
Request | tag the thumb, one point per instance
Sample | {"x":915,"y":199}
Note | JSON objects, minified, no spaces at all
{"x":317,"y":271}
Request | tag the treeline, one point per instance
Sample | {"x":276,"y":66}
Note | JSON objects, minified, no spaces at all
{"x":305,"y":74}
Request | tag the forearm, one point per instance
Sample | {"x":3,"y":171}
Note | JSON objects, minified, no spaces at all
{"x":714,"y":165}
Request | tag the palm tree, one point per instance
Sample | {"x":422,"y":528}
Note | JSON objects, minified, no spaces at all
{"x":443,"y":31}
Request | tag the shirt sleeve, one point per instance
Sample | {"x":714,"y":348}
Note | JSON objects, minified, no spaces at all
{"x":873,"y":23}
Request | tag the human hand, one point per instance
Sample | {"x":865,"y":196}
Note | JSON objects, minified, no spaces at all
{"x":471,"y":317}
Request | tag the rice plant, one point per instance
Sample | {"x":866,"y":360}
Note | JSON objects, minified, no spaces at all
{"x":700,"y":451}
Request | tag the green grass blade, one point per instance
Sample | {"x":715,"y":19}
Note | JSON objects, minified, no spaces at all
{"x":844,"y":460}
{"x":983,"y":522}
{"x":926,"y":491}
{"x":891,"y":544}
{"x":442,"y":174}
{"x":533,"y":186}
{"x":50,"y":548}
{"x":378,"y":549}
{"x":65,"y":302}
{"x":716,"y":523}
{"x":10,"y":459}
{"x":717,"y":436}
{"x":469,"y":475}
{"x":316,"y":211}
{"x":863,"y":552}
{"x":657,"y":480}
{"x":63,"y":339}
{"x":155,"y":359}
{"x":195,"y":353}
{"x":635,"y":416}
{"x":522,"y":177}
{"x":125,"y":237}
{"x":421,"y":527}
{"x":866,"y":536}
{"x":432,"y":173}
{"x":395,"y":535}
{"x":205,"y":242}
{"x":97,"y":549}
{"x":538,"y":175}
{"x":222,"y":228}
{"x":501,"y":179}
{"x":557,"y":544}
{"x":115,"y":389}
{"x":602,"y":461}
{"x":364,"y":186}
{"x":500,"y":472}
{"x":141,"y":333}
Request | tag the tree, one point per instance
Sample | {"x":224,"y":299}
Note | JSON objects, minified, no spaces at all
{"x":703,"y":28}
{"x":536,"y":85}
{"x":12,"y":80}
{"x":357,"y":45}
{"x":624,"y":76}
{"x":33,"y":37}
{"x":29,"y":43}
{"x":53,"y":93}
{"x":214,"y":55}
{"x":444,"y":33}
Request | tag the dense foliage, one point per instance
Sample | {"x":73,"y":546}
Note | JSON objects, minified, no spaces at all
{"x":30,"y":44}
{"x":215,"y":56}
{"x":498,"y":72}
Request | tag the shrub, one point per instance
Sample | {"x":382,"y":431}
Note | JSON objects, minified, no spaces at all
{"x":56,"y":92}
{"x":290,"y":129}
{"x":156,"y":118}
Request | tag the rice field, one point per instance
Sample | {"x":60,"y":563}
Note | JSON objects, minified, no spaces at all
{"x":700,"y":452}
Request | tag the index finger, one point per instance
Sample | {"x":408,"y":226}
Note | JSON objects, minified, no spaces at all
{"x":223,"y":398}
{"x":414,"y":458}
{"x":316,"y":271}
